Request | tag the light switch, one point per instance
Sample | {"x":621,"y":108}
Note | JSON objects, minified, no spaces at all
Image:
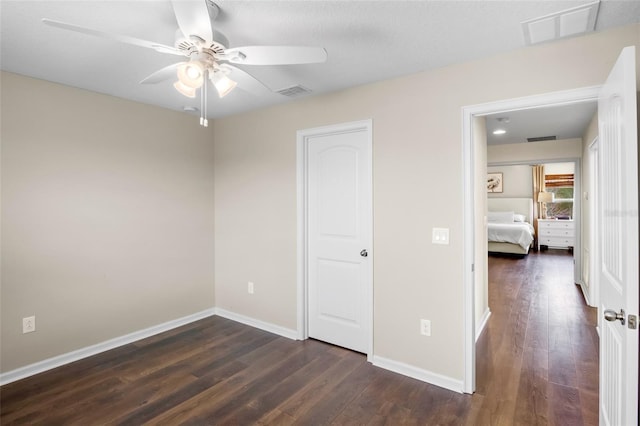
{"x":440,"y":236}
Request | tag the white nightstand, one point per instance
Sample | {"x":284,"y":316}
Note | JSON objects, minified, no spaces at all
{"x":556,"y":233}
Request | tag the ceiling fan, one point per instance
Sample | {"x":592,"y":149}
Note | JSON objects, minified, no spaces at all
{"x":207,"y":55}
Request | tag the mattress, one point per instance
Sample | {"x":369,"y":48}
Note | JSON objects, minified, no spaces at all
{"x":507,"y":248}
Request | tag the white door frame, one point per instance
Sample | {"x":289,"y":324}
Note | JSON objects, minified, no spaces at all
{"x":594,"y":217}
{"x":585,"y":94}
{"x":303,"y":137}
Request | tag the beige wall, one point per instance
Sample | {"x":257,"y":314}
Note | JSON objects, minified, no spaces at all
{"x":517,"y":180}
{"x":535,"y":151}
{"x":417,"y":186}
{"x":107,"y":218}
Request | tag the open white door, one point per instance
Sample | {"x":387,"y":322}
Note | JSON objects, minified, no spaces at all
{"x":618,"y":245}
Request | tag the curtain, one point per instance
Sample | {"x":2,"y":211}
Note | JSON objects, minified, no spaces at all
{"x":538,"y":186}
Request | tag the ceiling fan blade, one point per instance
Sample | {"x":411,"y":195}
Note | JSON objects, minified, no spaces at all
{"x":194,"y":17}
{"x":162,"y":74}
{"x":117,"y":37}
{"x":246,"y":81}
{"x":276,"y":55}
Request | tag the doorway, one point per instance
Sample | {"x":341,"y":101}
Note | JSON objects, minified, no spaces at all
{"x":618,"y":217}
{"x":538,"y":356}
{"x":473,"y":193}
{"x":335,"y":219}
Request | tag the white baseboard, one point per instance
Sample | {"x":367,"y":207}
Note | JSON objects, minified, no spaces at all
{"x":418,"y":373}
{"x":387,"y":364}
{"x":57,"y":361}
{"x":69,"y":357}
{"x":585,"y":292}
{"x":271,"y":328}
{"x":482,"y":323}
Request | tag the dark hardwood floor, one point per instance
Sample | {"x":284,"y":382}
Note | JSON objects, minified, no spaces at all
{"x":537,"y":364}
{"x":537,"y":360}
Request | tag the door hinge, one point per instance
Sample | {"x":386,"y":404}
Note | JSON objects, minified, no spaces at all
{"x":473,"y":267}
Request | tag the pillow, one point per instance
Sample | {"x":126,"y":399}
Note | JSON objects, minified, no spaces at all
{"x":519,"y":218}
{"x":500,"y":217}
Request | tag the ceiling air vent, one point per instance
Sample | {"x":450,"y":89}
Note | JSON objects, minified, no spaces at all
{"x":566,"y":23}
{"x":542,"y":138}
{"x":294,"y":91}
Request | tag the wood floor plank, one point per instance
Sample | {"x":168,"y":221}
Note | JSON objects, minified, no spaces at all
{"x":537,"y":364}
{"x":44,"y":387}
{"x":152,"y":408}
{"x":590,"y":405}
{"x":264,"y":396}
{"x":220,"y":393}
{"x":276,"y":417}
{"x":347,"y":390}
{"x":565,"y":406}
{"x":532,"y":405}
{"x":319,"y":387}
{"x":537,"y":334}
{"x":32,"y":413}
{"x":562,"y":365}
{"x":441,"y":407}
{"x":375,"y":399}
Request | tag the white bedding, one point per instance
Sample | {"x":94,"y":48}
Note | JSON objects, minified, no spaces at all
{"x":520,"y":233}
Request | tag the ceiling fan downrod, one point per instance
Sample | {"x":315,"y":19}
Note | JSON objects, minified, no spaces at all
{"x":203,"y":101}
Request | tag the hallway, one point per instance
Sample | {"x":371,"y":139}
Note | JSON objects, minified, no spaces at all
{"x":537,"y":360}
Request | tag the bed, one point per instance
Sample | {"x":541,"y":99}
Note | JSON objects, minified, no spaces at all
{"x":509,"y":225}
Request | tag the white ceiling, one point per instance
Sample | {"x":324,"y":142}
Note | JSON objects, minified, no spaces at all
{"x":366,"y":41}
{"x":564,"y":122}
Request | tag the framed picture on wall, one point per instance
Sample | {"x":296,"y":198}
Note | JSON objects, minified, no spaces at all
{"x":494,"y":182}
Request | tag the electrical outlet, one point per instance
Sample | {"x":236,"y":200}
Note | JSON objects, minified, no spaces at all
{"x":250,"y":287}
{"x":425,"y":327}
{"x":28,"y":324}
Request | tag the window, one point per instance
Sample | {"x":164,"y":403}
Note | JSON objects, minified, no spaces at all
{"x":561,"y":185}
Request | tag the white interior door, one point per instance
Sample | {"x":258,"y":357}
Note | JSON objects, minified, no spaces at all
{"x":339,"y":212}
{"x":618,"y":243}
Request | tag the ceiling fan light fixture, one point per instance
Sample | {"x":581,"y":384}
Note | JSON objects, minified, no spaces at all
{"x":189,"y":92}
{"x":191,"y":74}
{"x":222,"y":83}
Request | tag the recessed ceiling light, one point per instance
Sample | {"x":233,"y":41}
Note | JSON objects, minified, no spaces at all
{"x":499,"y":132}
{"x":189,"y":109}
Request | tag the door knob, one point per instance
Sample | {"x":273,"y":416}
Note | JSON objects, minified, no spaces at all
{"x":364,"y":253}
{"x":611,"y":315}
